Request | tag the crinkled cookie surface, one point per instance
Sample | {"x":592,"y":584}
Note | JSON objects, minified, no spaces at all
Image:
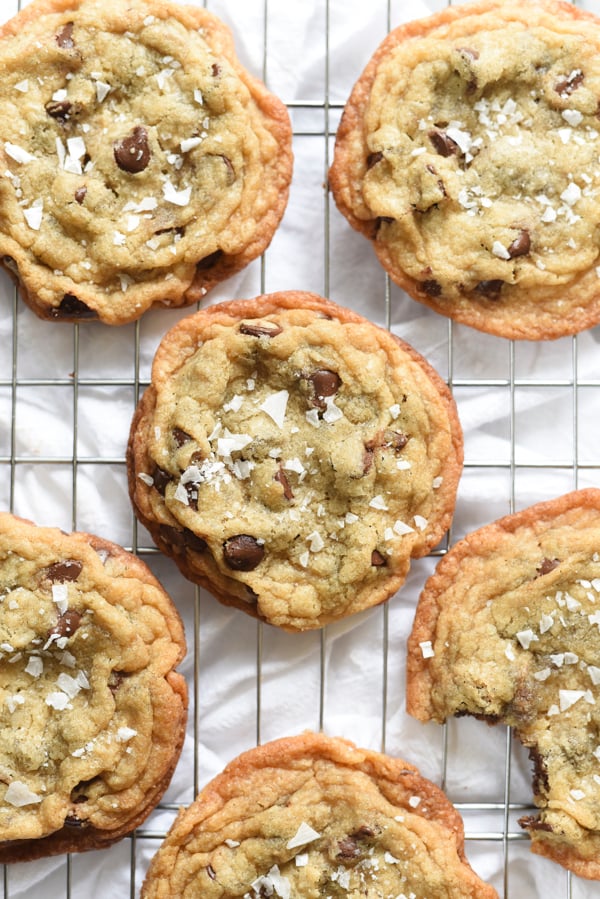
{"x":314,"y":816}
{"x":508,"y":628}
{"x":292,"y":457}
{"x":92,"y":712}
{"x":140,"y":163}
{"x":469,"y":153}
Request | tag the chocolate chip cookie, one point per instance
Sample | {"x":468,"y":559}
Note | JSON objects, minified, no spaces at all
{"x":292,"y":457}
{"x":92,"y":712}
{"x":140,"y":163}
{"x":468,"y":153}
{"x":316,"y":816}
{"x":508,"y":629}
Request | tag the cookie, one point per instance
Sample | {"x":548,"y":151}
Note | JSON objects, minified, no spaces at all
{"x":140,"y":163}
{"x":316,"y":816}
{"x":292,"y":457}
{"x":468,"y":153}
{"x":92,"y":712}
{"x":507,"y":629}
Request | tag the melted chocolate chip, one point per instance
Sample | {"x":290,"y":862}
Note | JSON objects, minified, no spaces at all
{"x":541,"y":783}
{"x":281,"y":478}
{"x":243,"y":552}
{"x":161,"y":478}
{"x":60,"y":572}
{"x":211,"y":872}
{"x":546,"y":566}
{"x":325,"y":382}
{"x":60,"y":110}
{"x":216,"y":69}
{"x":566,"y":86}
{"x":132,"y":153}
{"x":373,"y":159}
{"x":64,"y":38}
{"x":74,"y":821}
{"x":209,"y":261}
{"x":377,"y":560}
{"x":67,"y":623}
{"x":261,"y":329}
{"x":431,"y":288}
{"x":388,"y":440}
{"x":379,"y":221}
{"x":80,"y":194}
{"x":180,"y":436}
{"x":490,"y":289}
{"x":192,"y":495}
{"x":530,"y":822}
{"x":72,"y":307}
{"x":520,"y":246}
{"x":182,"y":540}
{"x":443,"y":144}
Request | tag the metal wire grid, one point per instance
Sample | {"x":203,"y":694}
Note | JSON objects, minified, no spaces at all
{"x":564,"y":378}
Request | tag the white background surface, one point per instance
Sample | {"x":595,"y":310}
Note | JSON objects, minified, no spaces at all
{"x":532,"y":431}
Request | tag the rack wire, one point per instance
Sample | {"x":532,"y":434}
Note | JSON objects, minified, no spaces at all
{"x":68,"y":469}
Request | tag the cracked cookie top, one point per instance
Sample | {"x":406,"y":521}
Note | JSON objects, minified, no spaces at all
{"x":315,"y":816}
{"x":92,"y":713}
{"x":292,"y":457}
{"x":140,"y":163}
{"x":508,"y":629}
{"x":468,"y":152}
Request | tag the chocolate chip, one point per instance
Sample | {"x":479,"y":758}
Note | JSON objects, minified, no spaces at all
{"x":490,"y":289}
{"x":74,"y":821}
{"x":348,"y":849}
{"x":546,"y":566}
{"x":72,"y":307}
{"x":66,"y":624}
{"x":80,"y":194}
{"x":180,"y":436}
{"x":541,"y":782}
{"x":281,"y":478}
{"x":377,"y":560}
{"x":60,"y":572}
{"x":192,"y":495}
{"x":243,"y":552}
{"x":64,"y":38}
{"x":530,"y":822}
{"x":182,"y":540}
{"x":431,"y":288}
{"x":388,"y":440}
{"x":115,"y":680}
{"x":211,"y":872}
{"x":566,"y":86}
{"x":132,"y":153}
{"x":209,"y":261}
{"x":443,"y":144}
{"x":373,"y":159}
{"x":59,"y":110}
{"x":261,"y":329}
{"x":379,"y":221}
{"x":216,"y":69}
{"x":325,"y":382}
{"x":161,"y":479}
{"x":520,"y":245}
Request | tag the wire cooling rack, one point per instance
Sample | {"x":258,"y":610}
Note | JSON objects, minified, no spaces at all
{"x":532,"y":429}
